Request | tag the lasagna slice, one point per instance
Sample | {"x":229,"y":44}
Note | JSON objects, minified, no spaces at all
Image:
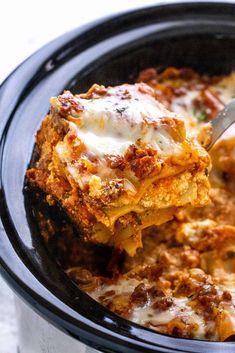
{"x":118,"y":162}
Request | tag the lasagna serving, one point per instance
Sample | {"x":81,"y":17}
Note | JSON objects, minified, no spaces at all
{"x":118,"y":162}
{"x":151,"y":227}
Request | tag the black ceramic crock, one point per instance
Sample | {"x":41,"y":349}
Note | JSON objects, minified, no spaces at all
{"x":52,"y":311}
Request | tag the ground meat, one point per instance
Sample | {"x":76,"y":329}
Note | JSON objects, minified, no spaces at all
{"x":140,"y":295}
{"x":162,"y":304}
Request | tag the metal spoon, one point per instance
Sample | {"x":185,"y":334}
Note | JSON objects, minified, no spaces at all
{"x":222,"y":122}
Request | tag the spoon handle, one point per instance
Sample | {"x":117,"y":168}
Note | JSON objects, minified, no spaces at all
{"x":222,"y":122}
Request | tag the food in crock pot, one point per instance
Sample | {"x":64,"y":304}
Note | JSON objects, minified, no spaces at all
{"x":182,"y":281}
{"x":118,"y":162}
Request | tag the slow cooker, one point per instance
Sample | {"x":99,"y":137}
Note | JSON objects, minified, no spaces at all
{"x":54,"y":315}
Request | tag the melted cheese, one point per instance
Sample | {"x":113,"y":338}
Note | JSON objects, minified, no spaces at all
{"x":110,"y":124}
{"x":143,"y":315}
{"x":183,"y":105}
{"x":146,"y":314}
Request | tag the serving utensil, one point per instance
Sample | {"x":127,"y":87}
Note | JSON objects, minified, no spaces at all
{"x":222,"y":122}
